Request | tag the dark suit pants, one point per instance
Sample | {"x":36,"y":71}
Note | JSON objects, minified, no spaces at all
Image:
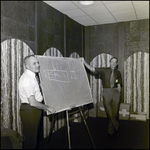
{"x":30,"y":117}
{"x":111,"y":103}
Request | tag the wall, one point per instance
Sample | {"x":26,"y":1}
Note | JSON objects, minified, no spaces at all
{"x":105,"y":38}
{"x":136,"y":37}
{"x":41,"y":27}
{"x":18,"y":21}
{"x":73,"y":37}
{"x":50,"y":27}
{"x":123,"y":40}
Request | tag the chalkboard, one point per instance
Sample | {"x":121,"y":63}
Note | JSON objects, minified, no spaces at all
{"x":64,"y":82}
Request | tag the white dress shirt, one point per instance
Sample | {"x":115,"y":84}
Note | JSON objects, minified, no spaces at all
{"x":28,"y":86}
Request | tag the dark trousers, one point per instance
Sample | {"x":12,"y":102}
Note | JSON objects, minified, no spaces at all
{"x":30,"y":117}
{"x":111,"y":103}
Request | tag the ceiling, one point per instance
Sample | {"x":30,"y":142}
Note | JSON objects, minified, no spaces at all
{"x":103,"y":12}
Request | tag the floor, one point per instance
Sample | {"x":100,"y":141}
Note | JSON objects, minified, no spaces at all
{"x":133,"y":135}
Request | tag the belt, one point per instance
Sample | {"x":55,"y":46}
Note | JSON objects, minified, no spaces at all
{"x":25,"y":104}
{"x":110,"y":88}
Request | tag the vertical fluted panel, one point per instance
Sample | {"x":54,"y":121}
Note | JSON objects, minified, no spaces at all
{"x":53,"y":52}
{"x":60,"y":121}
{"x":136,"y":82}
{"x":101,"y":60}
{"x":12,"y":53}
{"x":74,"y":55}
{"x":146,"y":84}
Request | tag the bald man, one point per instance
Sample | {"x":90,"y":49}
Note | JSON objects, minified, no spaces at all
{"x":31,"y":102}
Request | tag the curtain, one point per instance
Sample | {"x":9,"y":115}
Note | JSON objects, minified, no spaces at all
{"x":136,"y":82}
{"x":12,"y":53}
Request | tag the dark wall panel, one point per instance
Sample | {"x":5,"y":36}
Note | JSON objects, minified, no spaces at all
{"x":103,"y":39}
{"x":73,"y":37}
{"x":106,"y":39}
{"x":51,"y":28}
{"x":136,"y":37}
{"x":18,"y":21}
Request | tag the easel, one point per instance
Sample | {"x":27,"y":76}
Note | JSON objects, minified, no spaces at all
{"x":68,"y":127}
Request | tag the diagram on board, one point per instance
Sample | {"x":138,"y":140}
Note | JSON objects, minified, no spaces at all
{"x":57,"y":74}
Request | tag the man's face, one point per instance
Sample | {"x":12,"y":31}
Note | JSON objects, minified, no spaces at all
{"x":113,"y":63}
{"x":33,"y":64}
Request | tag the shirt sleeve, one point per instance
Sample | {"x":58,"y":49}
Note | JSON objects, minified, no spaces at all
{"x":98,"y":73}
{"x":29,"y":90}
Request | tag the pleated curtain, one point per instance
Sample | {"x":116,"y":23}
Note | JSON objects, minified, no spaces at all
{"x":12,"y":53}
{"x":136,"y":82}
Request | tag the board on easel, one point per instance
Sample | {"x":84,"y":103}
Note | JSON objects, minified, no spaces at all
{"x":64,"y":82}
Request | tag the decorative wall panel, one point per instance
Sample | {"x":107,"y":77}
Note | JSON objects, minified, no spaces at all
{"x":136,"y":82}
{"x":74,"y":55}
{"x":12,"y":53}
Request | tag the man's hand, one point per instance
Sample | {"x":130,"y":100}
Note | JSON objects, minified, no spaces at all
{"x":82,"y":59}
{"x":51,"y":110}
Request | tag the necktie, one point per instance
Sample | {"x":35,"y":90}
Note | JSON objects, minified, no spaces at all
{"x":38,"y":80}
{"x":39,"y":83}
{"x":112,"y":79}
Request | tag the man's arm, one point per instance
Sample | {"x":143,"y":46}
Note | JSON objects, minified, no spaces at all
{"x":39,"y":105}
{"x":92,"y":69}
{"x":119,"y":87}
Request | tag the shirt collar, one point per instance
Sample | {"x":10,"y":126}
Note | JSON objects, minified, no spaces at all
{"x":30,"y":72}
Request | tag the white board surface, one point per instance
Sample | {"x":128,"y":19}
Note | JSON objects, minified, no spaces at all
{"x":64,"y":82}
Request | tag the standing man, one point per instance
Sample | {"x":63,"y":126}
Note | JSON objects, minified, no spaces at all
{"x":31,"y":102}
{"x":112,"y":82}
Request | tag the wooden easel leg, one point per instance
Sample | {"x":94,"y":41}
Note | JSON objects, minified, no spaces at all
{"x":86,"y":126}
{"x":68,"y":129}
{"x":51,"y":130}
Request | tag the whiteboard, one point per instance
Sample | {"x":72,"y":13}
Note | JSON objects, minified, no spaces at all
{"x":64,"y":82}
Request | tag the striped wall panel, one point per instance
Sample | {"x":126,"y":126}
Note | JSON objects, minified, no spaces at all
{"x":12,"y":53}
{"x":60,"y":117}
{"x":101,"y":60}
{"x":53,"y":52}
{"x":74,"y":55}
{"x":136,"y":82}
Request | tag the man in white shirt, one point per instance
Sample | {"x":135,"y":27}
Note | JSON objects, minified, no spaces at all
{"x":31,"y":102}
